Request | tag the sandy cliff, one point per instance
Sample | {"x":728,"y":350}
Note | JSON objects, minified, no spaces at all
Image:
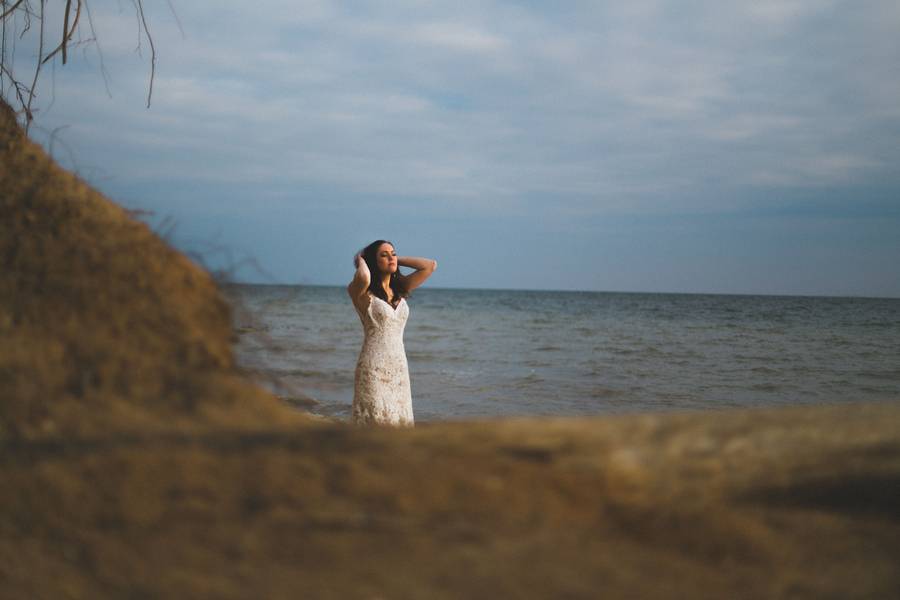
{"x":103,"y":324}
{"x":137,"y":463}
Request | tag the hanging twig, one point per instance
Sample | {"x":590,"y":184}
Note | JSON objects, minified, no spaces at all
{"x":177,"y":20}
{"x":2,"y":53}
{"x":66,"y":34}
{"x":29,"y":116}
{"x":27,"y":10}
{"x":21,"y":88}
{"x":67,"y":31}
{"x":140,"y":5}
{"x":11,"y":9}
{"x":17,"y":17}
{"x":103,"y":71}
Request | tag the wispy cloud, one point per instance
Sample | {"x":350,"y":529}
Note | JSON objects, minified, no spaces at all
{"x":577,"y":110}
{"x":500,"y":102}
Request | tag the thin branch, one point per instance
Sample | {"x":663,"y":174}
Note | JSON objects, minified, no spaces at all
{"x":52,"y":88}
{"x":11,"y":9}
{"x":27,"y":10}
{"x":67,"y":32}
{"x":17,"y":18}
{"x":3,"y":54}
{"x":21,"y":88}
{"x":29,"y":116}
{"x":177,"y":20}
{"x":103,"y":70}
{"x":140,"y":5}
{"x":53,"y":139}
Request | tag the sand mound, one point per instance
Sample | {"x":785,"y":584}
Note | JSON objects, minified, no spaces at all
{"x":104,"y":326}
{"x":137,"y":464}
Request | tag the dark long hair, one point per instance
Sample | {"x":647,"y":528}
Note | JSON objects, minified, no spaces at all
{"x":369,"y":255}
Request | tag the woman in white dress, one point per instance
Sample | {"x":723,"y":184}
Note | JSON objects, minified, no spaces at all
{"x":381,"y":386}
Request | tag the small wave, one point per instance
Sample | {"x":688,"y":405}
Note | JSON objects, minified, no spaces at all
{"x":295,"y":372}
{"x":429,"y":337}
{"x":622,"y":351}
{"x":886,"y":375}
{"x":644,"y":351}
{"x":299,"y":401}
{"x":529,"y":380}
{"x":243,"y":329}
{"x":602,"y":392}
{"x":878,"y":392}
{"x":765,"y":387}
{"x":537,"y":364}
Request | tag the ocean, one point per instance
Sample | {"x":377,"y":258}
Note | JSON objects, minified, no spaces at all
{"x":493,"y":353}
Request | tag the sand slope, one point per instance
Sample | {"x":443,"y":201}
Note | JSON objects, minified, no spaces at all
{"x":137,"y":463}
{"x":103,"y":324}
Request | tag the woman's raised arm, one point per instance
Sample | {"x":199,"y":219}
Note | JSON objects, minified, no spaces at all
{"x":361,"y":279}
{"x":424,"y":267}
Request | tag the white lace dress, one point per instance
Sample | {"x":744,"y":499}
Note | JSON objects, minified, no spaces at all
{"x":381,"y":389}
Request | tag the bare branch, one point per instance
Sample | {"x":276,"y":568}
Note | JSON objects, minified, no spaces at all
{"x":29,"y":115}
{"x":17,"y":17}
{"x":11,"y":9}
{"x":65,"y":31}
{"x":177,"y":20}
{"x":21,"y":88}
{"x":67,"y":37}
{"x":27,"y":10}
{"x":140,"y":5}
{"x":103,"y":70}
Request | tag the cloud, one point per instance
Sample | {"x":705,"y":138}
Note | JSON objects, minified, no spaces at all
{"x":820,"y":170}
{"x":455,"y":37}
{"x":576,"y":111}
{"x":487,"y":101}
{"x":783,"y":12}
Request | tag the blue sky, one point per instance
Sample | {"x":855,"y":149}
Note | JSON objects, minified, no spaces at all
{"x":734,"y":147}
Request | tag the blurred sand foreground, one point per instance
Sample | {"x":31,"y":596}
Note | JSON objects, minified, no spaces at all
{"x":136,"y":462}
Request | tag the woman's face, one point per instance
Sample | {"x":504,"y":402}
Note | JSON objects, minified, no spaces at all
{"x":386,"y":259}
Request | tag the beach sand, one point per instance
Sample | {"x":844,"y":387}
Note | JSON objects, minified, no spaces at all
{"x":138,"y":462}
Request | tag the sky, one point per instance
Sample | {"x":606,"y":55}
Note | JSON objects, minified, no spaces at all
{"x":649,"y":146}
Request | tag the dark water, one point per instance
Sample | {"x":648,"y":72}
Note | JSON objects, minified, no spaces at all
{"x":481,"y":353}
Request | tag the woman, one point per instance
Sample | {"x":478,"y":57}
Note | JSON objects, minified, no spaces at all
{"x":378,"y":290}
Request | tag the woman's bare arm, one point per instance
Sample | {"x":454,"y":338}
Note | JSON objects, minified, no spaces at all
{"x":424,"y":267}
{"x":362,"y":277}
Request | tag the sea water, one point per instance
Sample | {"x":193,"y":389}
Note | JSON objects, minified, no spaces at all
{"x":489,"y":353}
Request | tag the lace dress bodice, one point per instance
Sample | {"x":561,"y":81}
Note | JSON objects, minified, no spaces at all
{"x":381,"y":385}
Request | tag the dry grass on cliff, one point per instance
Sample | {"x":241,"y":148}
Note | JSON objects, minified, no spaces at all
{"x":104,"y":326}
{"x":137,"y":464}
